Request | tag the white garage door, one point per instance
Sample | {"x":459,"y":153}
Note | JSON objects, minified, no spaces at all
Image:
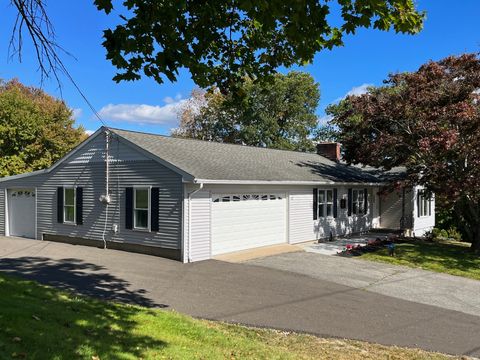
{"x":245,"y":221}
{"x":21,"y":212}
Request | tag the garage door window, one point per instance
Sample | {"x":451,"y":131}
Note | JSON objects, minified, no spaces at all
{"x":141,"y":208}
{"x":246,"y":197}
{"x":69,"y":205}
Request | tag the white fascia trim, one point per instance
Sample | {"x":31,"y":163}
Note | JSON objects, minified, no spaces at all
{"x":67,"y":156}
{"x":20,"y":176}
{"x":287,"y":182}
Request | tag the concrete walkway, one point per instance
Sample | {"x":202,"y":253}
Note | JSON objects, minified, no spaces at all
{"x":339,"y":244}
{"x":425,"y":287}
{"x":261,"y":252}
{"x":248,"y":294}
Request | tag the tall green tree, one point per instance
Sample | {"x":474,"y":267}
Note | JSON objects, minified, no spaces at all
{"x":219,"y":41}
{"x":277,"y":114}
{"x":429,"y":122}
{"x":35,"y":129}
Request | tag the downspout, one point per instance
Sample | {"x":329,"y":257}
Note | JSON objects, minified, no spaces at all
{"x":105,"y":199}
{"x":107,"y":155}
{"x":403,"y":224}
{"x":189,"y":245}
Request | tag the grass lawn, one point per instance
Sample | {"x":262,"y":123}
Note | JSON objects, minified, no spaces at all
{"x":451,"y":257}
{"x":39,"y":322}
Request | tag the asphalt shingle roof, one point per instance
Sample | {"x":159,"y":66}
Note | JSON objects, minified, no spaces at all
{"x":220,"y":161}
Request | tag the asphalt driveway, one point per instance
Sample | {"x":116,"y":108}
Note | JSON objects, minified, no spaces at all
{"x":426,"y":287}
{"x":244,"y":293}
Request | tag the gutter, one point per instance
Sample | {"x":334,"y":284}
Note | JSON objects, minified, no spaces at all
{"x":266,"y":182}
{"x":189,"y":245}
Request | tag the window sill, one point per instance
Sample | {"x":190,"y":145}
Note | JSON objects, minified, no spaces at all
{"x":141,"y":230}
{"x":69,"y":223}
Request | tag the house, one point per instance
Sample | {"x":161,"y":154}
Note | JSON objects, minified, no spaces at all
{"x":191,"y":200}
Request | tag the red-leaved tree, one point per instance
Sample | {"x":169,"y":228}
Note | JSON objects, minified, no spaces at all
{"x":429,"y":122}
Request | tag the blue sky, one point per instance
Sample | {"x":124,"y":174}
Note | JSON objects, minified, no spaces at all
{"x":366,"y":58}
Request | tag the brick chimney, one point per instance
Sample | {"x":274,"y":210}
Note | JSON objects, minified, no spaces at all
{"x":331,"y":150}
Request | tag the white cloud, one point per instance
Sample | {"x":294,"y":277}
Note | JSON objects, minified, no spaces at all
{"x":358,"y":90}
{"x":143,"y":113}
{"x":171,"y":100}
{"x":324,"y":119}
{"x":76,"y":113}
{"x":89,"y":132}
{"x":355,"y":91}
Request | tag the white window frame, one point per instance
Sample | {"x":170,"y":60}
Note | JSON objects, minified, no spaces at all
{"x":135,"y":227}
{"x":65,"y":221}
{"x":358,"y":206}
{"x":324,"y":205}
{"x":424,"y":205}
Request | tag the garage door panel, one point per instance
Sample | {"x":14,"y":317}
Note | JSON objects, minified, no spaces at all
{"x":21,"y":212}
{"x":226,"y":247}
{"x":257,"y":225}
{"x":232,"y":212}
{"x":235,"y":232}
{"x":250,"y":220}
{"x":246,"y":224}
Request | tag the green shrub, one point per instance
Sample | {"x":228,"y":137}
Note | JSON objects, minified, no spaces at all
{"x":453,"y":233}
{"x":435,"y":233}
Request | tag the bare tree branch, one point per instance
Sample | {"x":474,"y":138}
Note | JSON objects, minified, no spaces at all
{"x":32,"y":17}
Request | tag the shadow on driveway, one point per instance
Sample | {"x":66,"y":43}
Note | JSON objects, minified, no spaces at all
{"x":77,"y":276}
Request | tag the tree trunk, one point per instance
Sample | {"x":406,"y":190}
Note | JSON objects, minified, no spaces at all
{"x":475,"y":247}
{"x":468,"y":218}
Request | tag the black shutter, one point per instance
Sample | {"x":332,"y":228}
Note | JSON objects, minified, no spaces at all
{"x":335,"y":208}
{"x":350,"y":202}
{"x":154,"y":209}
{"x":79,"y":206}
{"x":315,"y":203}
{"x":60,"y":205}
{"x":129,"y":208}
{"x":365,"y":198}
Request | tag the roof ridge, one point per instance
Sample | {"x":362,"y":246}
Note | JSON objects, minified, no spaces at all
{"x":220,"y":143}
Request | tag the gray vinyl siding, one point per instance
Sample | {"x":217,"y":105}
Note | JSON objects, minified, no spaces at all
{"x":86,"y":169}
{"x":200,"y":225}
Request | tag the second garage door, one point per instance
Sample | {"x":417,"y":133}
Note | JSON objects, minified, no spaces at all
{"x":21,"y":212}
{"x":245,"y":221}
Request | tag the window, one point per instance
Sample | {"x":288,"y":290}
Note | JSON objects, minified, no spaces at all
{"x":325,"y":203}
{"x":69,"y":205}
{"x":358,"y":202}
{"x":141,"y":208}
{"x":246,"y":197}
{"x":424,"y":204}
